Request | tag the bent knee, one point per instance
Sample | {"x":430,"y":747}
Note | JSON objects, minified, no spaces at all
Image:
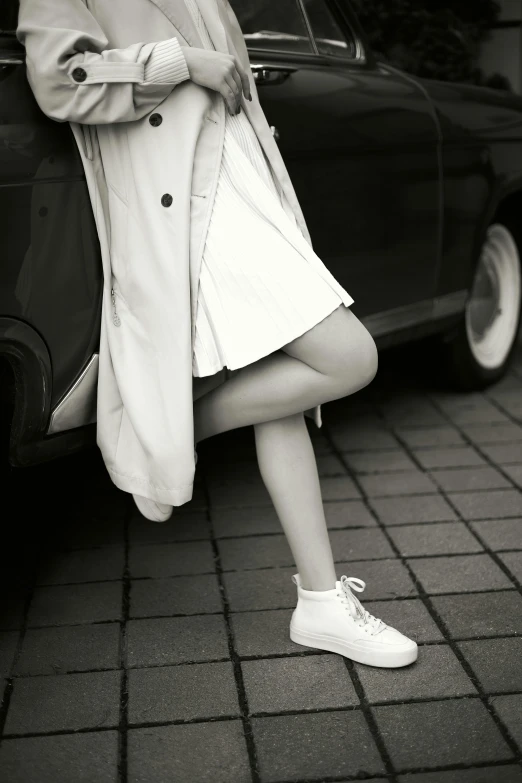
{"x":360,"y":361}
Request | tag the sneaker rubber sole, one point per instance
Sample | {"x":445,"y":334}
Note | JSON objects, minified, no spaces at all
{"x":384,"y":659}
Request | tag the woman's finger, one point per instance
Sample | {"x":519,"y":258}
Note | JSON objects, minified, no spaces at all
{"x":245,"y":81}
{"x":239,"y":86}
{"x":232,"y":91}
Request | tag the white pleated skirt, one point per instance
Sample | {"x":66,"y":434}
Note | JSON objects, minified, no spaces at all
{"x":261,"y":285}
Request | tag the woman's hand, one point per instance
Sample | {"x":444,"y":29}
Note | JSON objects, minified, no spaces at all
{"x":220,"y":72}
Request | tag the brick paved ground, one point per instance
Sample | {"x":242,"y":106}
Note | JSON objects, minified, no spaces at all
{"x":144,"y":653}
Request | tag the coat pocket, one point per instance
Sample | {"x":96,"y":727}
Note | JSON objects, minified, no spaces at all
{"x":118,"y":243}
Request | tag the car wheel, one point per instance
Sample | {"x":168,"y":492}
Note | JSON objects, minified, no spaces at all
{"x":478,"y":351}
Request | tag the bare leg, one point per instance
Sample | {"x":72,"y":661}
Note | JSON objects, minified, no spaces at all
{"x":335,"y":358}
{"x":289,"y":470}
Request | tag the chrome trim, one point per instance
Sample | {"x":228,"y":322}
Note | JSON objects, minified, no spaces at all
{"x":11,"y":61}
{"x":78,"y":407}
{"x":389,"y":321}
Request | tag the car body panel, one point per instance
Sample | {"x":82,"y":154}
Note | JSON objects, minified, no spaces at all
{"x":397,"y":177}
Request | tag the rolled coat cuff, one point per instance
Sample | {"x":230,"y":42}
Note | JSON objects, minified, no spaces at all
{"x":166,"y":63}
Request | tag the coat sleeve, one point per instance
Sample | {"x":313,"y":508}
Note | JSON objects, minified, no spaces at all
{"x":75,"y":77}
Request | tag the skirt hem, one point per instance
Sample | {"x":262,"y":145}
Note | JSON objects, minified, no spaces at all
{"x":346,"y":300}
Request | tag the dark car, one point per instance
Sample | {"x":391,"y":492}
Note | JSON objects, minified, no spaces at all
{"x":411,"y":188}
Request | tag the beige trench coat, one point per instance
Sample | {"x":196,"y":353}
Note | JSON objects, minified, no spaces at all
{"x":151,"y":253}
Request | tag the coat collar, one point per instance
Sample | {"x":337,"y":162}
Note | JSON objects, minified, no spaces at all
{"x":181,"y":18}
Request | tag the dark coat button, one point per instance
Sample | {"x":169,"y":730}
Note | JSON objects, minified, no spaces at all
{"x":79,"y":75}
{"x":155,"y":119}
{"x":166,"y":199}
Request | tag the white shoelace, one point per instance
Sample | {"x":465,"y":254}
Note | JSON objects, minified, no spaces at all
{"x":361,"y":615}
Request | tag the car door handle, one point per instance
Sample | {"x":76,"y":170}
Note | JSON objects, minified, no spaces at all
{"x":11,"y":61}
{"x":271,"y":74}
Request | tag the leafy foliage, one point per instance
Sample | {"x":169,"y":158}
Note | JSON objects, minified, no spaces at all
{"x":435,"y":39}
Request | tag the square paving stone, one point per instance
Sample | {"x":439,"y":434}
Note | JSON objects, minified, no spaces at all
{"x":436,"y":539}
{"x":312,"y":682}
{"x":232,"y":522}
{"x":352,"y":513}
{"x":384,"y":578}
{"x":496,"y":663}
{"x":452,"y":457}
{"x":515,"y":474}
{"x":63,"y":758}
{"x":379,"y":461}
{"x":81,"y":565}
{"x":12,"y":605}
{"x":185,"y":692}
{"x":269,"y":588}
{"x":513,"y":561}
{"x":213,"y":752}
{"x":410,"y":617}
{"x":69,"y":649}
{"x":488,"y":505}
{"x":175,"y":595}
{"x":503,"y":454}
{"x":459,"y":574}
{"x":96,"y":526}
{"x":181,"y":526}
{"x":8,"y":642}
{"x":429,"y":436}
{"x":360,"y":544}
{"x":172,"y":640}
{"x":413,"y":509}
{"x":364,"y":439}
{"x":480,"y":614}
{"x":493,"y":433}
{"x":330,"y":465}
{"x":65,"y":702}
{"x":499,"y":534}
{"x":264,"y":633}
{"x":154,"y":561}
{"x":435,"y":674}
{"x":239,"y":554}
{"x":484,"y":413}
{"x":230,"y":491}
{"x":339,"y":488}
{"x":510,"y":774}
{"x":74,"y":604}
{"x":509,"y":710}
{"x":314,"y":746}
{"x":424,"y":735}
{"x":407,"y":482}
{"x":477,"y":478}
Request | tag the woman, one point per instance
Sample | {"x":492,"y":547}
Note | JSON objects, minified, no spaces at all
{"x":208,"y":268}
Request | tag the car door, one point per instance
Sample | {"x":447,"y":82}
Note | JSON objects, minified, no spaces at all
{"x":361,"y":145}
{"x":50,"y":269}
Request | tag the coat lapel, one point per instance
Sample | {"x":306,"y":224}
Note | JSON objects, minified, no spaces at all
{"x":211,"y":13}
{"x":177,"y":13}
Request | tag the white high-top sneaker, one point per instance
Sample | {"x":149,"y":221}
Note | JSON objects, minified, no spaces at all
{"x":335,"y":620}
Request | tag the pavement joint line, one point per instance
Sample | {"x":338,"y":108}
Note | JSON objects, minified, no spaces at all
{"x":269,"y":656}
{"x":234,"y":657}
{"x":507,"y":736}
{"x":9,"y":686}
{"x":124,"y":688}
{"x":370,"y":720}
{"x":235,"y":717}
{"x":467,"y":523}
{"x":501,"y":408}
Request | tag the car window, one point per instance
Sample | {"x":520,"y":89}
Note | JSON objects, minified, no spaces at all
{"x":8,"y":15}
{"x":278,"y":26}
{"x":329,"y":36}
